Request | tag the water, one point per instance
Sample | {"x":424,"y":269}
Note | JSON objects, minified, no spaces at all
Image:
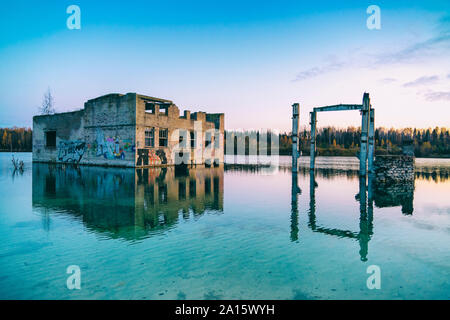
{"x":238,"y":233}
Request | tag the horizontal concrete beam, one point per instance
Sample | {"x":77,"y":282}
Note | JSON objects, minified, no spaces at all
{"x":339,"y":107}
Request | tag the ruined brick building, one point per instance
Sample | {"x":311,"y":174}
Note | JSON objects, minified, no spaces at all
{"x":129,"y":130}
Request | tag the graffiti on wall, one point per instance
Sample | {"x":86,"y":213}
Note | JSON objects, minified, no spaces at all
{"x":128,"y":145}
{"x":111,"y":147}
{"x":162,"y":156}
{"x":71,"y":151}
{"x":150,"y":157}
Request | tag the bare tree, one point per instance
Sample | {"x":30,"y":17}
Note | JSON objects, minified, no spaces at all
{"x":47,"y":106}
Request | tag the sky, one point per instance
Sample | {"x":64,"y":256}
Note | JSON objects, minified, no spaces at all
{"x":248,"y":59}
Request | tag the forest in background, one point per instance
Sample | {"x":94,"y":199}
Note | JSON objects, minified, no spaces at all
{"x":331,"y":141}
{"x":15,"y":139}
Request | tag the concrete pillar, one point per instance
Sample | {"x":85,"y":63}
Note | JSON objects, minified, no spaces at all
{"x":295,"y":153}
{"x":313,"y":116}
{"x":371,"y":150}
{"x":364,"y":133}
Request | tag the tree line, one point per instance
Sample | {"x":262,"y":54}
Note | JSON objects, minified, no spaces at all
{"x":15,"y":139}
{"x":332,"y":141}
{"x":20,"y":139}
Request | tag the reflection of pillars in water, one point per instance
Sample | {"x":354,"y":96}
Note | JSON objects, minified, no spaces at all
{"x":46,"y":220}
{"x":370,"y":207}
{"x":312,"y":200}
{"x":370,"y":182}
{"x":366,"y":217}
{"x":295,"y":191}
{"x":365,"y":221}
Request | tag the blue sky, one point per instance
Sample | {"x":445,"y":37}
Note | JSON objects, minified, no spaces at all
{"x":249,"y":59}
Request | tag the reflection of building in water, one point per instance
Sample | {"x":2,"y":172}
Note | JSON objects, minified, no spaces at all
{"x":161,"y":193}
{"x":127,"y":203}
{"x":394,"y":194}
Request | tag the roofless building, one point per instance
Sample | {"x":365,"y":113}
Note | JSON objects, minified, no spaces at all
{"x":129,"y":130}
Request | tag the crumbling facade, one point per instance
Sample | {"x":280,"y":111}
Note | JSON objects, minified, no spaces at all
{"x":393,"y":168}
{"x":129,"y":130}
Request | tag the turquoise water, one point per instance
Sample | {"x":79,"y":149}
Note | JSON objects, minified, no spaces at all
{"x":233,"y":233}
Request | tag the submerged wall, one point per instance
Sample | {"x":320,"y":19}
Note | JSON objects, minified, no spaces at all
{"x":69,"y":144}
{"x":103,"y":133}
{"x":164,"y":115}
{"x":394,"y":168}
{"x":112,"y":130}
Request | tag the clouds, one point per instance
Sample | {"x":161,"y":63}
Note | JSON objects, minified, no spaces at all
{"x":387,"y":80}
{"x":421,"y":50}
{"x":438,"y":44}
{"x":434,"y":45}
{"x":433,"y":96}
{"x":429,"y":94}
{"x":319,"y":70}
{"x":422,"y":81}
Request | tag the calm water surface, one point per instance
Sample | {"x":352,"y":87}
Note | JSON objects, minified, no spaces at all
{"x":235,"y":233}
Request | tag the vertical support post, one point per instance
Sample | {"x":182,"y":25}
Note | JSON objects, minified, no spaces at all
{"x":312,"y":154}
{"x":295,"y":152}
{"x":371,"y":151}
{"x":364,"y":133}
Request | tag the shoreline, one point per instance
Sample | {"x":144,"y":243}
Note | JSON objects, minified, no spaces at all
{"x":307,"y":155}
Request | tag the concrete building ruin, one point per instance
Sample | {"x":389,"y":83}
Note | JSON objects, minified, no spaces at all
{"x":129,"y":130}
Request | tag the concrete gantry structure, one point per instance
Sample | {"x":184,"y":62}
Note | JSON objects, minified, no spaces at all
{"x":367,"y":145}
